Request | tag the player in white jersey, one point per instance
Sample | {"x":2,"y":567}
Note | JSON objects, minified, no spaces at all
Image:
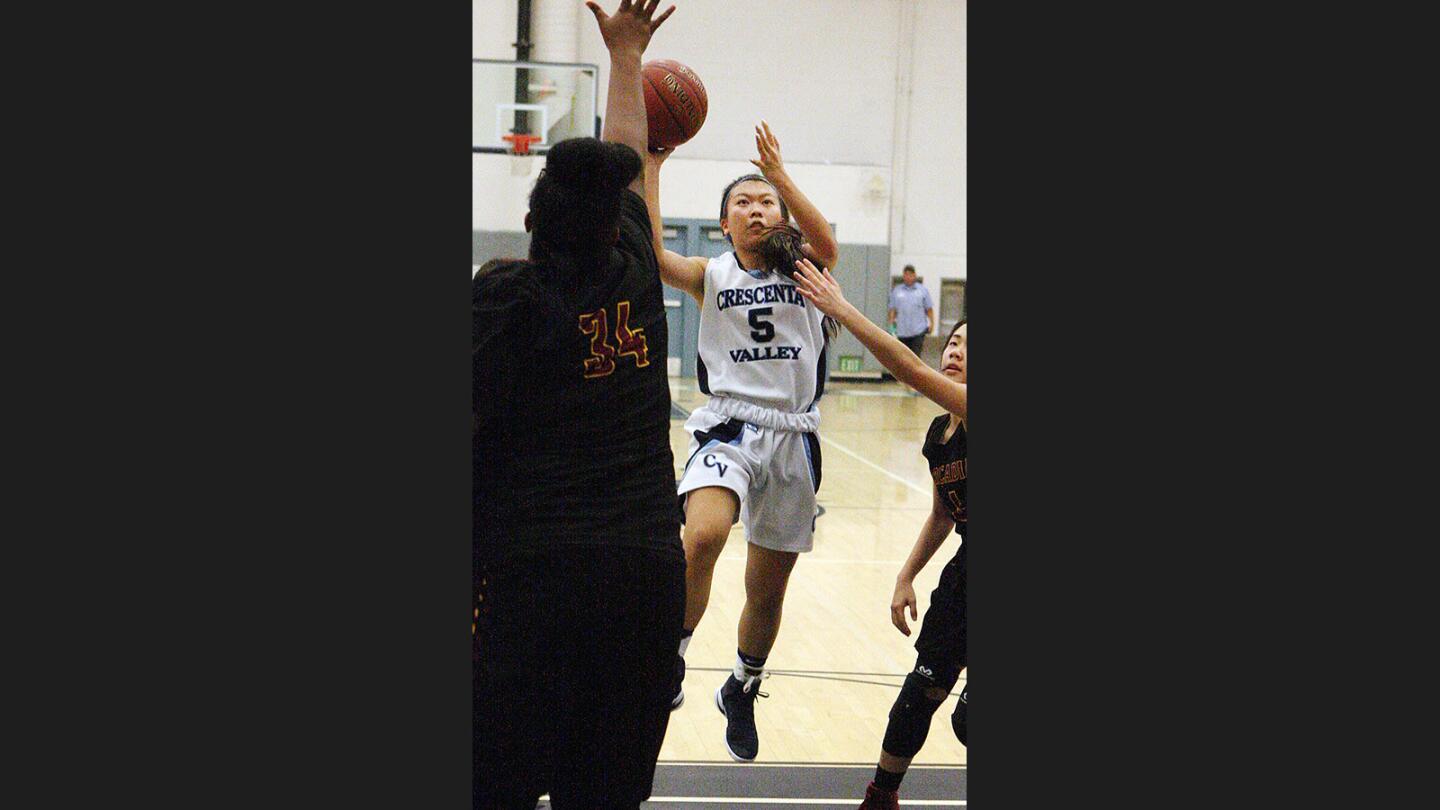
{"x":754,"y":454}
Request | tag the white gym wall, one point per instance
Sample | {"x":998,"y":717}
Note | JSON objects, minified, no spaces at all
{"x":867,"y":98}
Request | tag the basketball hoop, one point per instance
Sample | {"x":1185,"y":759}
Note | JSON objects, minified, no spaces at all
{"x":520,"y":142}
{"x":520,"y":157}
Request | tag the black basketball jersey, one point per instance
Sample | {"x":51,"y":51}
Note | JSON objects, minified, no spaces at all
{"x":572,"y":401}
{"x":947,"y":467}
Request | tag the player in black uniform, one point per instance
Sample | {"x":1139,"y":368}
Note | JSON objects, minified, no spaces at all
{"x":941,"y":646}
{"x":577,"y":544}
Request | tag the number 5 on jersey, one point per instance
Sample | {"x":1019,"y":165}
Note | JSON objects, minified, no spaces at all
{"x":761,"y":331}
{"x":601,"y":362}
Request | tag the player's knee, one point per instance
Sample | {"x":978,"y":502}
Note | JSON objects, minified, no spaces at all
{"x":957,"y":720}
{"x":705,"y":540}
{"x":940,"y":678}
{"x":910,"y":716}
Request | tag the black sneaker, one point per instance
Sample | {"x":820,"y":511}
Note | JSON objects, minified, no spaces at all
{"x":679,"y":683}
{"x":736,"y":701}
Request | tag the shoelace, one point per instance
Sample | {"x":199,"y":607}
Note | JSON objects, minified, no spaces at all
{"x":754,"y":681}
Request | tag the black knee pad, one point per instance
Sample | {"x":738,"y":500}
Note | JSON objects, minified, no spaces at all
{"x":957,"y":720}
{"x":910,"y":716}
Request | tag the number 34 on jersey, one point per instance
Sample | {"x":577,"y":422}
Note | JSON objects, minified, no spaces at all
{"x":602,"y":359}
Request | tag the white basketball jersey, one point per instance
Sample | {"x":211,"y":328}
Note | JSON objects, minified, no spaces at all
{"x":760,"y":340}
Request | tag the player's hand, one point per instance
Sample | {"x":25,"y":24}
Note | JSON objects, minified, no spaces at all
{"x":630,"y":27}
{"x":766,"y":144}
{"x":904,"y":597}
{"x":819,"y":288}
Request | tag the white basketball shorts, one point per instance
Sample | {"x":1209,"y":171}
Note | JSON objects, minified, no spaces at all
{"x":775,"y":473}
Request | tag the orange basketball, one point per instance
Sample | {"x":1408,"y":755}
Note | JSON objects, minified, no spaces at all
{"x":675,"y":102}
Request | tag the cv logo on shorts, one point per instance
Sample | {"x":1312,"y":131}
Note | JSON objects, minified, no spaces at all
{"x":925,"y":671}
{"x":711,"y":462}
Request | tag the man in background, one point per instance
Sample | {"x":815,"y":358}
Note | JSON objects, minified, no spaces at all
{"x":912,"y":315}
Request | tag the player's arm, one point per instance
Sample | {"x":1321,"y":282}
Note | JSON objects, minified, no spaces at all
{"x":818,"y":238}
{"x":626,"y":33}
{"x":821,"y":290}
{"x":685,"y":273}
{"x":503,"y":303}
{"x":932,"y":536}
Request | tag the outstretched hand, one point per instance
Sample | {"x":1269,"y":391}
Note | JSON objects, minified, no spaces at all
{"x":630,"y":26}
{"x":768,"y":146}
{"x":819,"y":288}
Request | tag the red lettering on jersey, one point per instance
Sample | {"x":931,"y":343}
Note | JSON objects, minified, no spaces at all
{"x":631,"y":343}
{"x":601,"y":362}
{"x":949,"y":473}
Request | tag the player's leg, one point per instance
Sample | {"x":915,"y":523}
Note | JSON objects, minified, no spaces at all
{"x":941,"y":648}
{"x":516,"y":697}
{"x":639,"y":600}
{"x":780,"y":524}
{"x":709,"y":514}
{"x":715,"y":477}
{"x":767,"y":573}
{"x":958,"y":719}
{"x":925,"y":688}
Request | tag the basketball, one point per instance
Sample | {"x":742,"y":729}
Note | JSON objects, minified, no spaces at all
{"x":675,"y":102}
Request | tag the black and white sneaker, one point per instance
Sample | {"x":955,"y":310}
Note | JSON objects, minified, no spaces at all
{"x":679,"y":683}
{"x":736,"y":700}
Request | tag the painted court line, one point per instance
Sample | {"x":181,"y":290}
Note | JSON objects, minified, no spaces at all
{"x":893,"y":394}
{"x":735,"y":558}
{"x":869,"y":766}
{"x":872,"y":465}
{"x":832,"y":802}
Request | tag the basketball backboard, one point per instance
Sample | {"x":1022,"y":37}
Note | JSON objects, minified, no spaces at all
{"x":552,"y":100}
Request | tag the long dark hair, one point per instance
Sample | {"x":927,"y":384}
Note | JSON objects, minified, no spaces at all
{"x":780,"y":249}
